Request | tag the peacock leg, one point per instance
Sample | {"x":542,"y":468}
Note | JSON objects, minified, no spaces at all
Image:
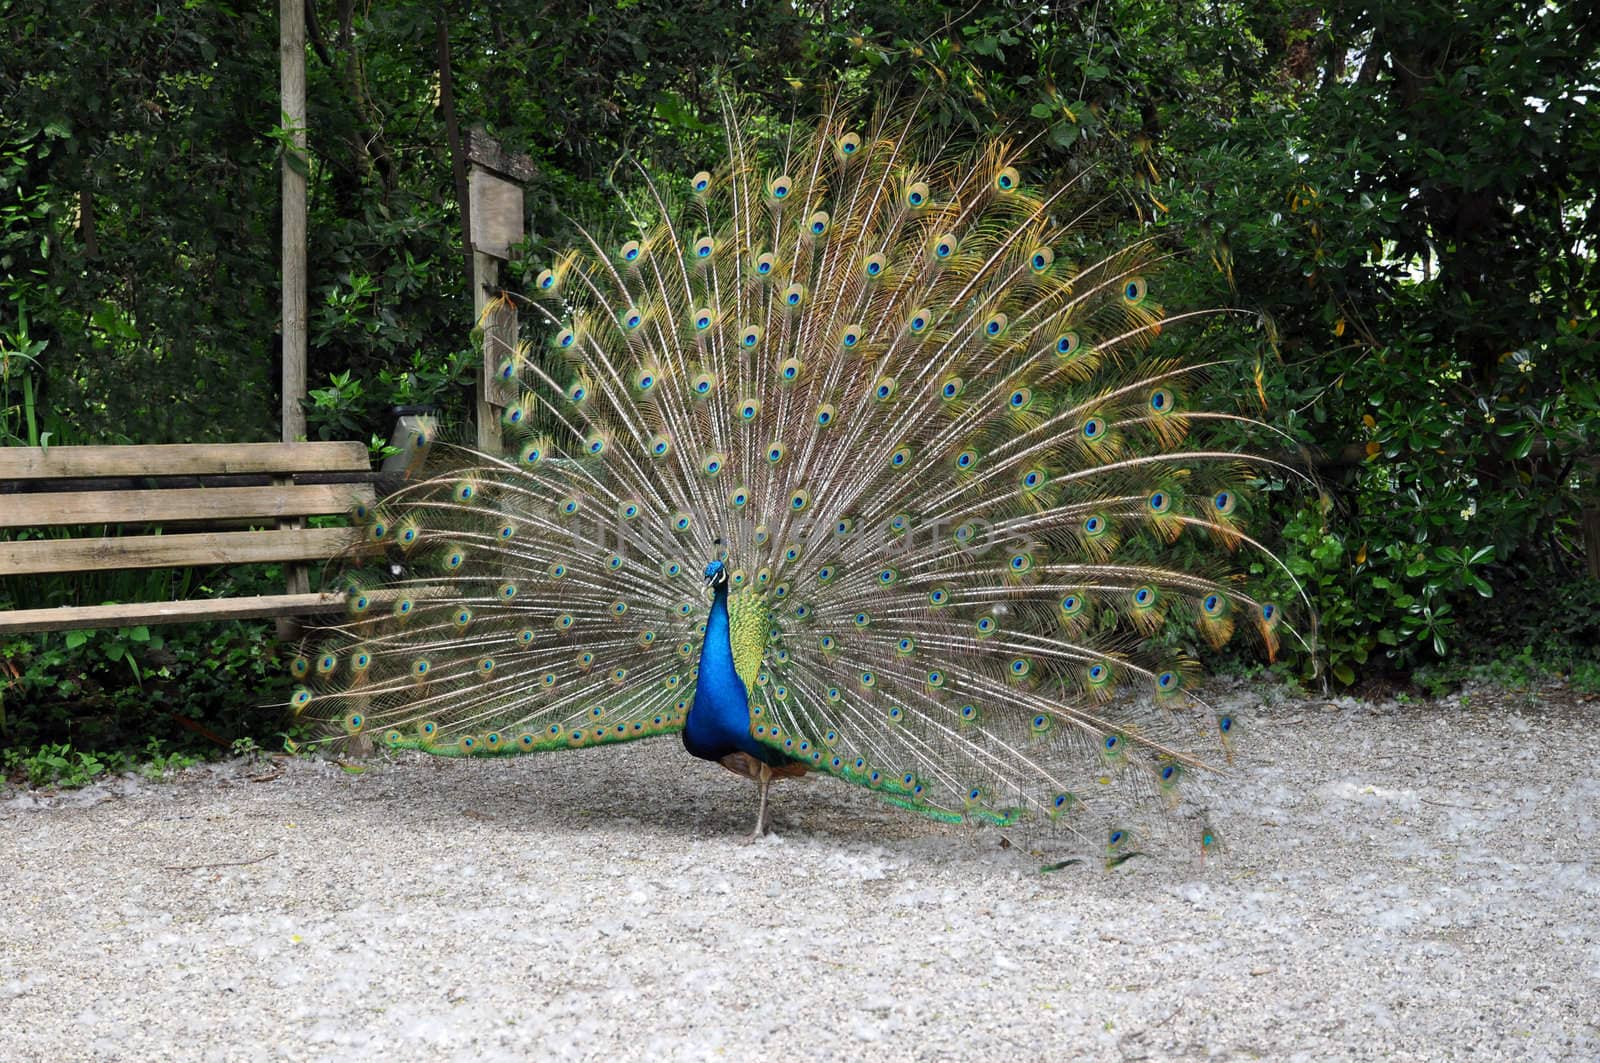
{"x":763,"y":780}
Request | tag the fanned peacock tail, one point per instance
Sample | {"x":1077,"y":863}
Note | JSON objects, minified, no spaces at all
{"x":969,"y":513}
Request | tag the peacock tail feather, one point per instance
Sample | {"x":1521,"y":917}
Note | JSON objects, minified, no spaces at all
{"x":946,"y":445}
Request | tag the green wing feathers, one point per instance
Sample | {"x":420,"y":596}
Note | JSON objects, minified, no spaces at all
{"x":948,"y":445}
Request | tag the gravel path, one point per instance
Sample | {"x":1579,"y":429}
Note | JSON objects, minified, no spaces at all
{"x":1416,"y":881}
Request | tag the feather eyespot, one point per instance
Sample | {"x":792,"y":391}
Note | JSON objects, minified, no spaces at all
{"x":780,"y":187}
{"x":1008,"y":179}
{"x":765,"y":264}
{"x":917,"y":195}
{"x":875,"y":265}
{"x":1134,"y":291}
{"x":818,"y":223}
{"x":1041,"y":259}
{"x":700,"y":181}
{"x":631,"y":251}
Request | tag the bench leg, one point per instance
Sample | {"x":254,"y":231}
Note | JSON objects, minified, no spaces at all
{"x":299,"y":576}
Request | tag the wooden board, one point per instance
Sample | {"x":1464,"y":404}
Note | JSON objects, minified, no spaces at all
{"x":168,"y":551}
{"x":68,"y":618}
{"x":180,"y":459}
{"x":495,"y":211}
{"x":160,"y":507}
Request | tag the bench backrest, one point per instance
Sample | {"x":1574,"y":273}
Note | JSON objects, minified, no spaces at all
{"x":231,"y":485}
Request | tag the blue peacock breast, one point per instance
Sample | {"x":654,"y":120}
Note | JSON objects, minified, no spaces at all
{"x":719,"y":718}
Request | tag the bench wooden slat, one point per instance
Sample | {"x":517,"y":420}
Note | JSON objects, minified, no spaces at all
{"x":157,"y":507}
{"x":180,"y":459}
{"x":164,"y":551}
{"x":68,"y":618}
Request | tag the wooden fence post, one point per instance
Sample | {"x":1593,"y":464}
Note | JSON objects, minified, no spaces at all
{"x":292,"y":87}
{"x":495,"y":181}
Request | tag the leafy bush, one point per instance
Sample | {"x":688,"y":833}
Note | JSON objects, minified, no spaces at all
{"x":193,"y":689}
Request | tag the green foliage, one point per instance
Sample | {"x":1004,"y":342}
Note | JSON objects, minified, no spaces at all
{"x":1400,"y":196}
{"x":194,"y":687}
{"x":61,"y":766}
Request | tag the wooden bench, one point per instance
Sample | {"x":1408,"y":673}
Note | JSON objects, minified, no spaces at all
{"x":215,"y":504}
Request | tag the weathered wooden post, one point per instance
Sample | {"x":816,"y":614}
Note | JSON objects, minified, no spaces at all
{"x":292,"y":88}
{"x":495,"y":181}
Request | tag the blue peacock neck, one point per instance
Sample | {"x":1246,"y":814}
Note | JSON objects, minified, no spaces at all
{"x":719,"y":720}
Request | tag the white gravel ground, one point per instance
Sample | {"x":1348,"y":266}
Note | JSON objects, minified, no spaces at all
{"x":1403,"y":881}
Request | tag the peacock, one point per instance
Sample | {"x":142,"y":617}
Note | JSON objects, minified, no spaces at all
{"x":856,"y":456}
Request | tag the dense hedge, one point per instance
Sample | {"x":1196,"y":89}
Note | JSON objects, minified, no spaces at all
{"x":1404,"y":193}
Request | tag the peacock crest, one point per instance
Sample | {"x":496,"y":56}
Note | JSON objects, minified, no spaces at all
{"x":876,"y":430}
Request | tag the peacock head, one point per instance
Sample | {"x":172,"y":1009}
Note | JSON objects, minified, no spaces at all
{"x":716,"y":574}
